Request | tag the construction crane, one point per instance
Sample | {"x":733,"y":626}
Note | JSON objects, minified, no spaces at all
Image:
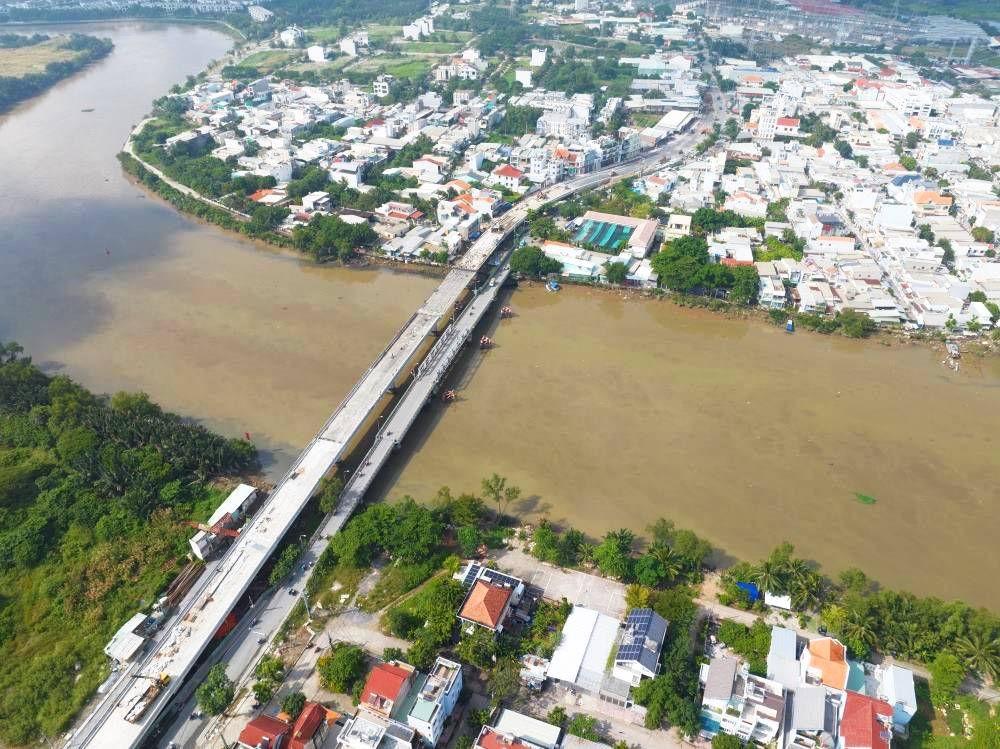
{"x":221,"y":528}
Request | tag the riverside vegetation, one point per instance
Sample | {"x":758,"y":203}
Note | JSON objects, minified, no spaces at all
{"x":93,"y":490}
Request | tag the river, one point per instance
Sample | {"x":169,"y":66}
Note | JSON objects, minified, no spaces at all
{"x":114,"y":287}
{"x":607,"y":412}
{"x":611,"y":413}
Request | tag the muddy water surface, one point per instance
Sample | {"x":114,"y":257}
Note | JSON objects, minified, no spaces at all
{"x":611,"y":413}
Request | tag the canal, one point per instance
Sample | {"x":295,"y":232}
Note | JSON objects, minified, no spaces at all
{"x":607,"y":412}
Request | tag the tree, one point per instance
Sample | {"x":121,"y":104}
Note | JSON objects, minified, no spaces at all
{"x":285,"y":564}
{"x":556,"y":716}
{"x":341,"y":668}
{"x":731,"y":129}
{"x":531,"y":261}
{"x":613,"y":554}
{"x":912,"y":139}
{"x":981,"y":653}
{"x":982,"y":234}
{"x":505,"y":680}
{"x":584,"y":726}
{"x":745,"y":284}
{"x":637,"y":596}
{"x":649,"y":571}
{"x":670,"y":561}
{"x":726,"y":741}
{"x":292,"y":703}
{"x":947,"y":674}
{"x":329,"y":494}
{"x":495,"y":487}
{"x":949,"y":253}
{"x":269,"y":672}
{"x":217,"y":691}
{"x":858,"y":633}
{"x":478,"y":647}
{"x":616,"y":273}
{"x":908,"y":163}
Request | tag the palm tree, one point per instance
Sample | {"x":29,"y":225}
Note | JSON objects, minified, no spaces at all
{"x":981,"y":654}
{"x":585,"y":553}
{"x":623,"y":537}
{"x":771,"y":577}
{"x":859,"y":633}
{"x":807,"y":591}
{"x":669,"y":559}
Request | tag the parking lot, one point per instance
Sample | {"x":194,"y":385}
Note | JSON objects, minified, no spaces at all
{"x":598,"y":593}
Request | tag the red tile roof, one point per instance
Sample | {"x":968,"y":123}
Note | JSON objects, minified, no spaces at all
{"x":490,"y":739}
{"x":866,"y":723}
{"x":485,"y":604}
{"x":264,"y":731}
{"x":788,"y":121}
{"x":385,"y":682}
{"x":309,"y":721}
{"x":508,"y":171}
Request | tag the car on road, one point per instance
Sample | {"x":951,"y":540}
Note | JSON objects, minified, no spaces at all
{"x":292,"y":592}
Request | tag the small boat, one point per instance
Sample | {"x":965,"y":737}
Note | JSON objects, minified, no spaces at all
{"x":790,"y":326}
{"x":953,"y":351}
{"x":88,"y":110}
{"x":485,"y":342}
{"x":447,"y":396}
{"x":552,"y":285}
{"x":865,"y":499}
{"x":506,"y":312}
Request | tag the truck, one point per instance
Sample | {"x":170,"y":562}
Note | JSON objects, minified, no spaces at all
{"x":141,"y":705}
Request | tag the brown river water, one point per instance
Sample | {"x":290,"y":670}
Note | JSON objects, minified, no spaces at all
{"x":607,"y":412}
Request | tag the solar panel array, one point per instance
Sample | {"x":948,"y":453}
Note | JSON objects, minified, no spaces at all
{"x":634,"y":637}
{"x":472,"y":575}
{"x":477,"y":571}
{"x":499,"y":578}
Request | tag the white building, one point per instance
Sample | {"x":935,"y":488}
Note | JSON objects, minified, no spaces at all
{"x":291,"y":36}
{"x":435,"y":697}
{"x":523,"y":76}
{"x":316,"y":53}
{"x":383,"y":85}
{"x":538,"y":57}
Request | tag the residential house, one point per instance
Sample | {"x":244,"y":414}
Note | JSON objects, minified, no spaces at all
{"x":264,"y":732}
{"x":433,"y":700}
{"x":740,"y":704}
{"x":678,"y":225}
{"x":895,"y":688}
{"x":866,"y":723}
{"x":490,"y":598}
{"x":638,"y":653}
{"x":386,"y":688}
{"x":512,"y":730}
{"x":368,"y":730}
{"x":824,"y":661}
{"x":508,"y":176}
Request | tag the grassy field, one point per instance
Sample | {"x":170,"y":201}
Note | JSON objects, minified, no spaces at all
{"x":322,"y":68}
{"x":377,"y":33}
{"x":445,"y":48}
{"x":644,"y":119}
{"x":24,"y":60}
{"x":401,"y":66}
{"x":270,"y":60}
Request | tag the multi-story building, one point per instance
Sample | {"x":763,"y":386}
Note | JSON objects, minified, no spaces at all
{"x":740,"y":704}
